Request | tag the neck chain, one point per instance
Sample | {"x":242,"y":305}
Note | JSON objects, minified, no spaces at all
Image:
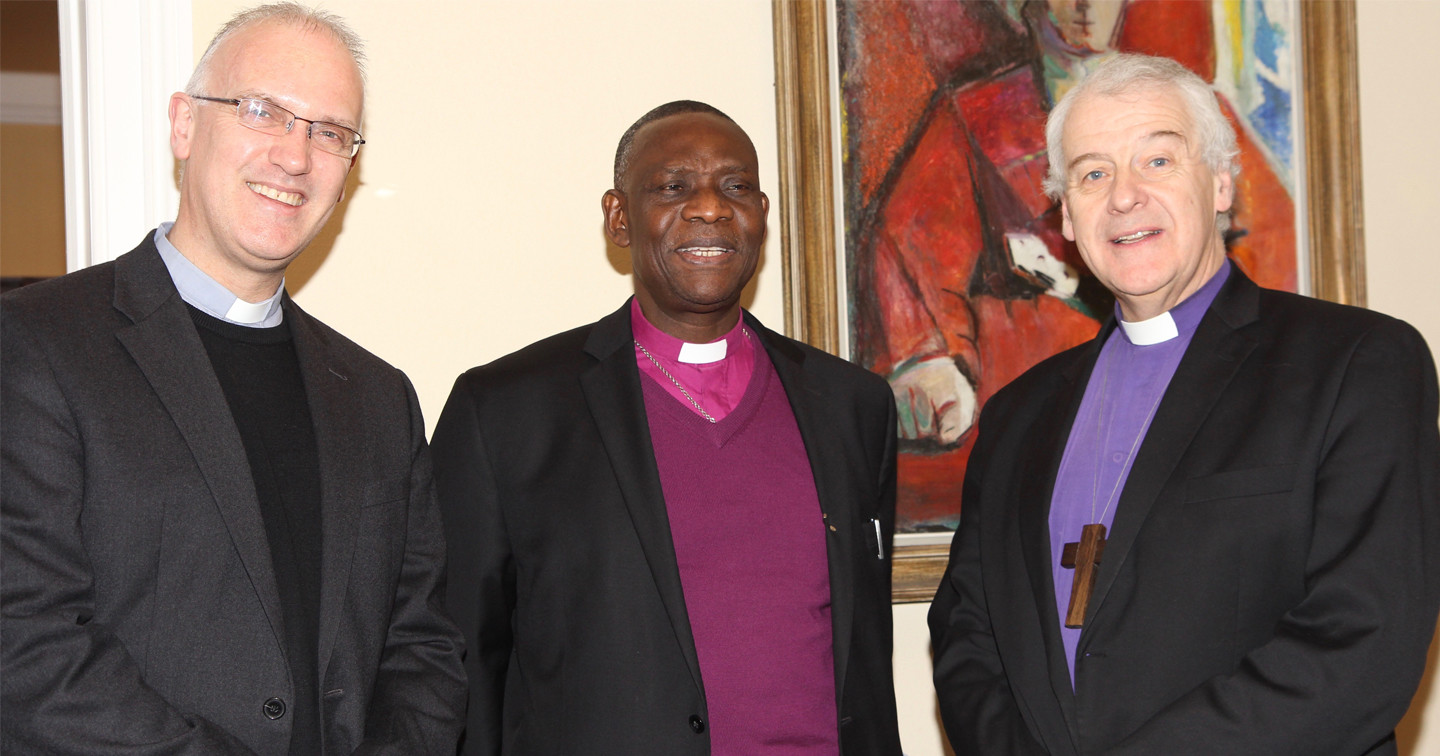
{"x":1100,"y":447}
{"x":666,"y":373}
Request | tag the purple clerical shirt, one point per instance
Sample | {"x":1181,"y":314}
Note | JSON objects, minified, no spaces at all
{"x":717,"y":386}
{"x":1120,"y":400}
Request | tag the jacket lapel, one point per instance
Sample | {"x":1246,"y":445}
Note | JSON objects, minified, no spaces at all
{"x":341,"y":446}
{"x":1210,"y":362}
{"x":612,"y":391}
{"x":164,"y":344}
{"x":1034,"y":493}
{"x":810,"y":405}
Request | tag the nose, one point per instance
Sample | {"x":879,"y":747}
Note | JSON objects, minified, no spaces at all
{"x":1127,"y":191}
{"x":291,"y":150}
{"x":708,"y":204}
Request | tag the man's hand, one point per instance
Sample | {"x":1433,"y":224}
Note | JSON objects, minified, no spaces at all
{"x":934,"y":400}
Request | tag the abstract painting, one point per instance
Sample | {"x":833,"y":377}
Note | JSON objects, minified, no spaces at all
{"x":953,"y":276}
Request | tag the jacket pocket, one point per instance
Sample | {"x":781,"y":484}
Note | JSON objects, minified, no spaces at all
{"x":1232,"y":484}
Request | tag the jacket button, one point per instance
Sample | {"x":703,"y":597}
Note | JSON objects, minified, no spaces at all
{"x":697,"y":724}
{"x":274,"y":708}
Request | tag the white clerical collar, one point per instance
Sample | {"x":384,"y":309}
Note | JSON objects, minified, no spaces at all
{"x":206,"y":294}
{"x":1156,"y":330}
{"x":669,"y":347}
{"x":248,"y":313}
{"x":703,"y":354}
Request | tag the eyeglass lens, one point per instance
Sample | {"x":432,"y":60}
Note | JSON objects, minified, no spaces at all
{"x":273,"y":119}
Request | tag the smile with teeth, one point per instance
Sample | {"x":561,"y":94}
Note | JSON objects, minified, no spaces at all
{"x":1132,"y":238}
{"x":290,"y":198}
{"x":704,"y":251}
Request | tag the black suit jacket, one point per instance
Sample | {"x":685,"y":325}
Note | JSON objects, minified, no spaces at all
{"x":1270,"y":581}
{"x":563,"y":574}
{"x":140,"y":609}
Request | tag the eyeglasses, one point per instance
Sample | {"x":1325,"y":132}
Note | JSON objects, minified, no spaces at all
{"x":268,"y":118}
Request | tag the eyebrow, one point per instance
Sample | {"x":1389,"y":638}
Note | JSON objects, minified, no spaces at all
{"x":675,"y":170}
{"x":1152,"y":136}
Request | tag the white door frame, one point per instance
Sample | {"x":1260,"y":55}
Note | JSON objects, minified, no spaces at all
{"x":120,"y":60}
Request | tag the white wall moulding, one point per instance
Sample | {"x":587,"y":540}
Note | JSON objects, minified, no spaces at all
{"x":119,"y":62}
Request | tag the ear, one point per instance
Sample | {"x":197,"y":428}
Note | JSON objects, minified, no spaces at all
{"x":1067,"y":230}
{"x":617,"y":228}
{"x":1224,"y":190}
{"x":182,"y":125}
{"x":765,"y":212}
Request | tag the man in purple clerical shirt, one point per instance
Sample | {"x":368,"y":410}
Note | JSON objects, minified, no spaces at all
{"x":670,"y":529}
{"x":1213,"y":528}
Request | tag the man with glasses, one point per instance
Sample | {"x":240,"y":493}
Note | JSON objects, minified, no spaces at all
{"x":218,"y":529}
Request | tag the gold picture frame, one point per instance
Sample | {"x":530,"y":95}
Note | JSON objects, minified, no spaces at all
{"x":808,"y":203}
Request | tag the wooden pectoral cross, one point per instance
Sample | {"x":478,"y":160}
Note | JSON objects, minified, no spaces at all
{"x":1083,"y":556}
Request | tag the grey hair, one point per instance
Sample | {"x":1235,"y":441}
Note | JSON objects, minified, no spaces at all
{"x":293,"y":14}
{"x":1125,"y":72}
{"x":627,"y":140}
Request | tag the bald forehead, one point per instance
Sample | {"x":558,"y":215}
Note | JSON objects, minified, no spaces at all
{"x":284,"y":61}
{"x":268,"y":37}
{"x":670,"y":143}
{"x":697,"y":122}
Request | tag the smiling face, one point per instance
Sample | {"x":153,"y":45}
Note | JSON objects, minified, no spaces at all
{"x":1139,"y":202}
{"x":692,"y":213}
{"x":250,"y":202}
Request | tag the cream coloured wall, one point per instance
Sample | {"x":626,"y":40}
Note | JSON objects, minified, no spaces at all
{"x":1398,"y":116}
{"x":449,"y":256}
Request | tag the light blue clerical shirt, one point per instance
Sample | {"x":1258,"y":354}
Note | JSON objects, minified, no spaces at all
{"x":207,"y":295}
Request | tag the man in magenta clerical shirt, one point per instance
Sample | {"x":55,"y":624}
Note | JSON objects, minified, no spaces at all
{"x":670,"y":529}
{"x":1213,"y":528}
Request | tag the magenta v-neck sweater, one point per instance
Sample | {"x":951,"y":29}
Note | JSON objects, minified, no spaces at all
{"x":750,"y":542}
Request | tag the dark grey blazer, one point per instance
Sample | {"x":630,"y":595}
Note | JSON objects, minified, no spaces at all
{"x":140,"y":610}
{"x":1271,"y":581}
{"x":563,"y":574}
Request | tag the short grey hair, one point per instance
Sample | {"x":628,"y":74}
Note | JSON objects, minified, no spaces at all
{"x":1126,"y":72}
{"x":292,"y":14}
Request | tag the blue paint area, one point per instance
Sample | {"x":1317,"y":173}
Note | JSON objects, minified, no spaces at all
{"x":1269,"y":39}
{"x":1269,"y":99}
{"x":1271,"y":120}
